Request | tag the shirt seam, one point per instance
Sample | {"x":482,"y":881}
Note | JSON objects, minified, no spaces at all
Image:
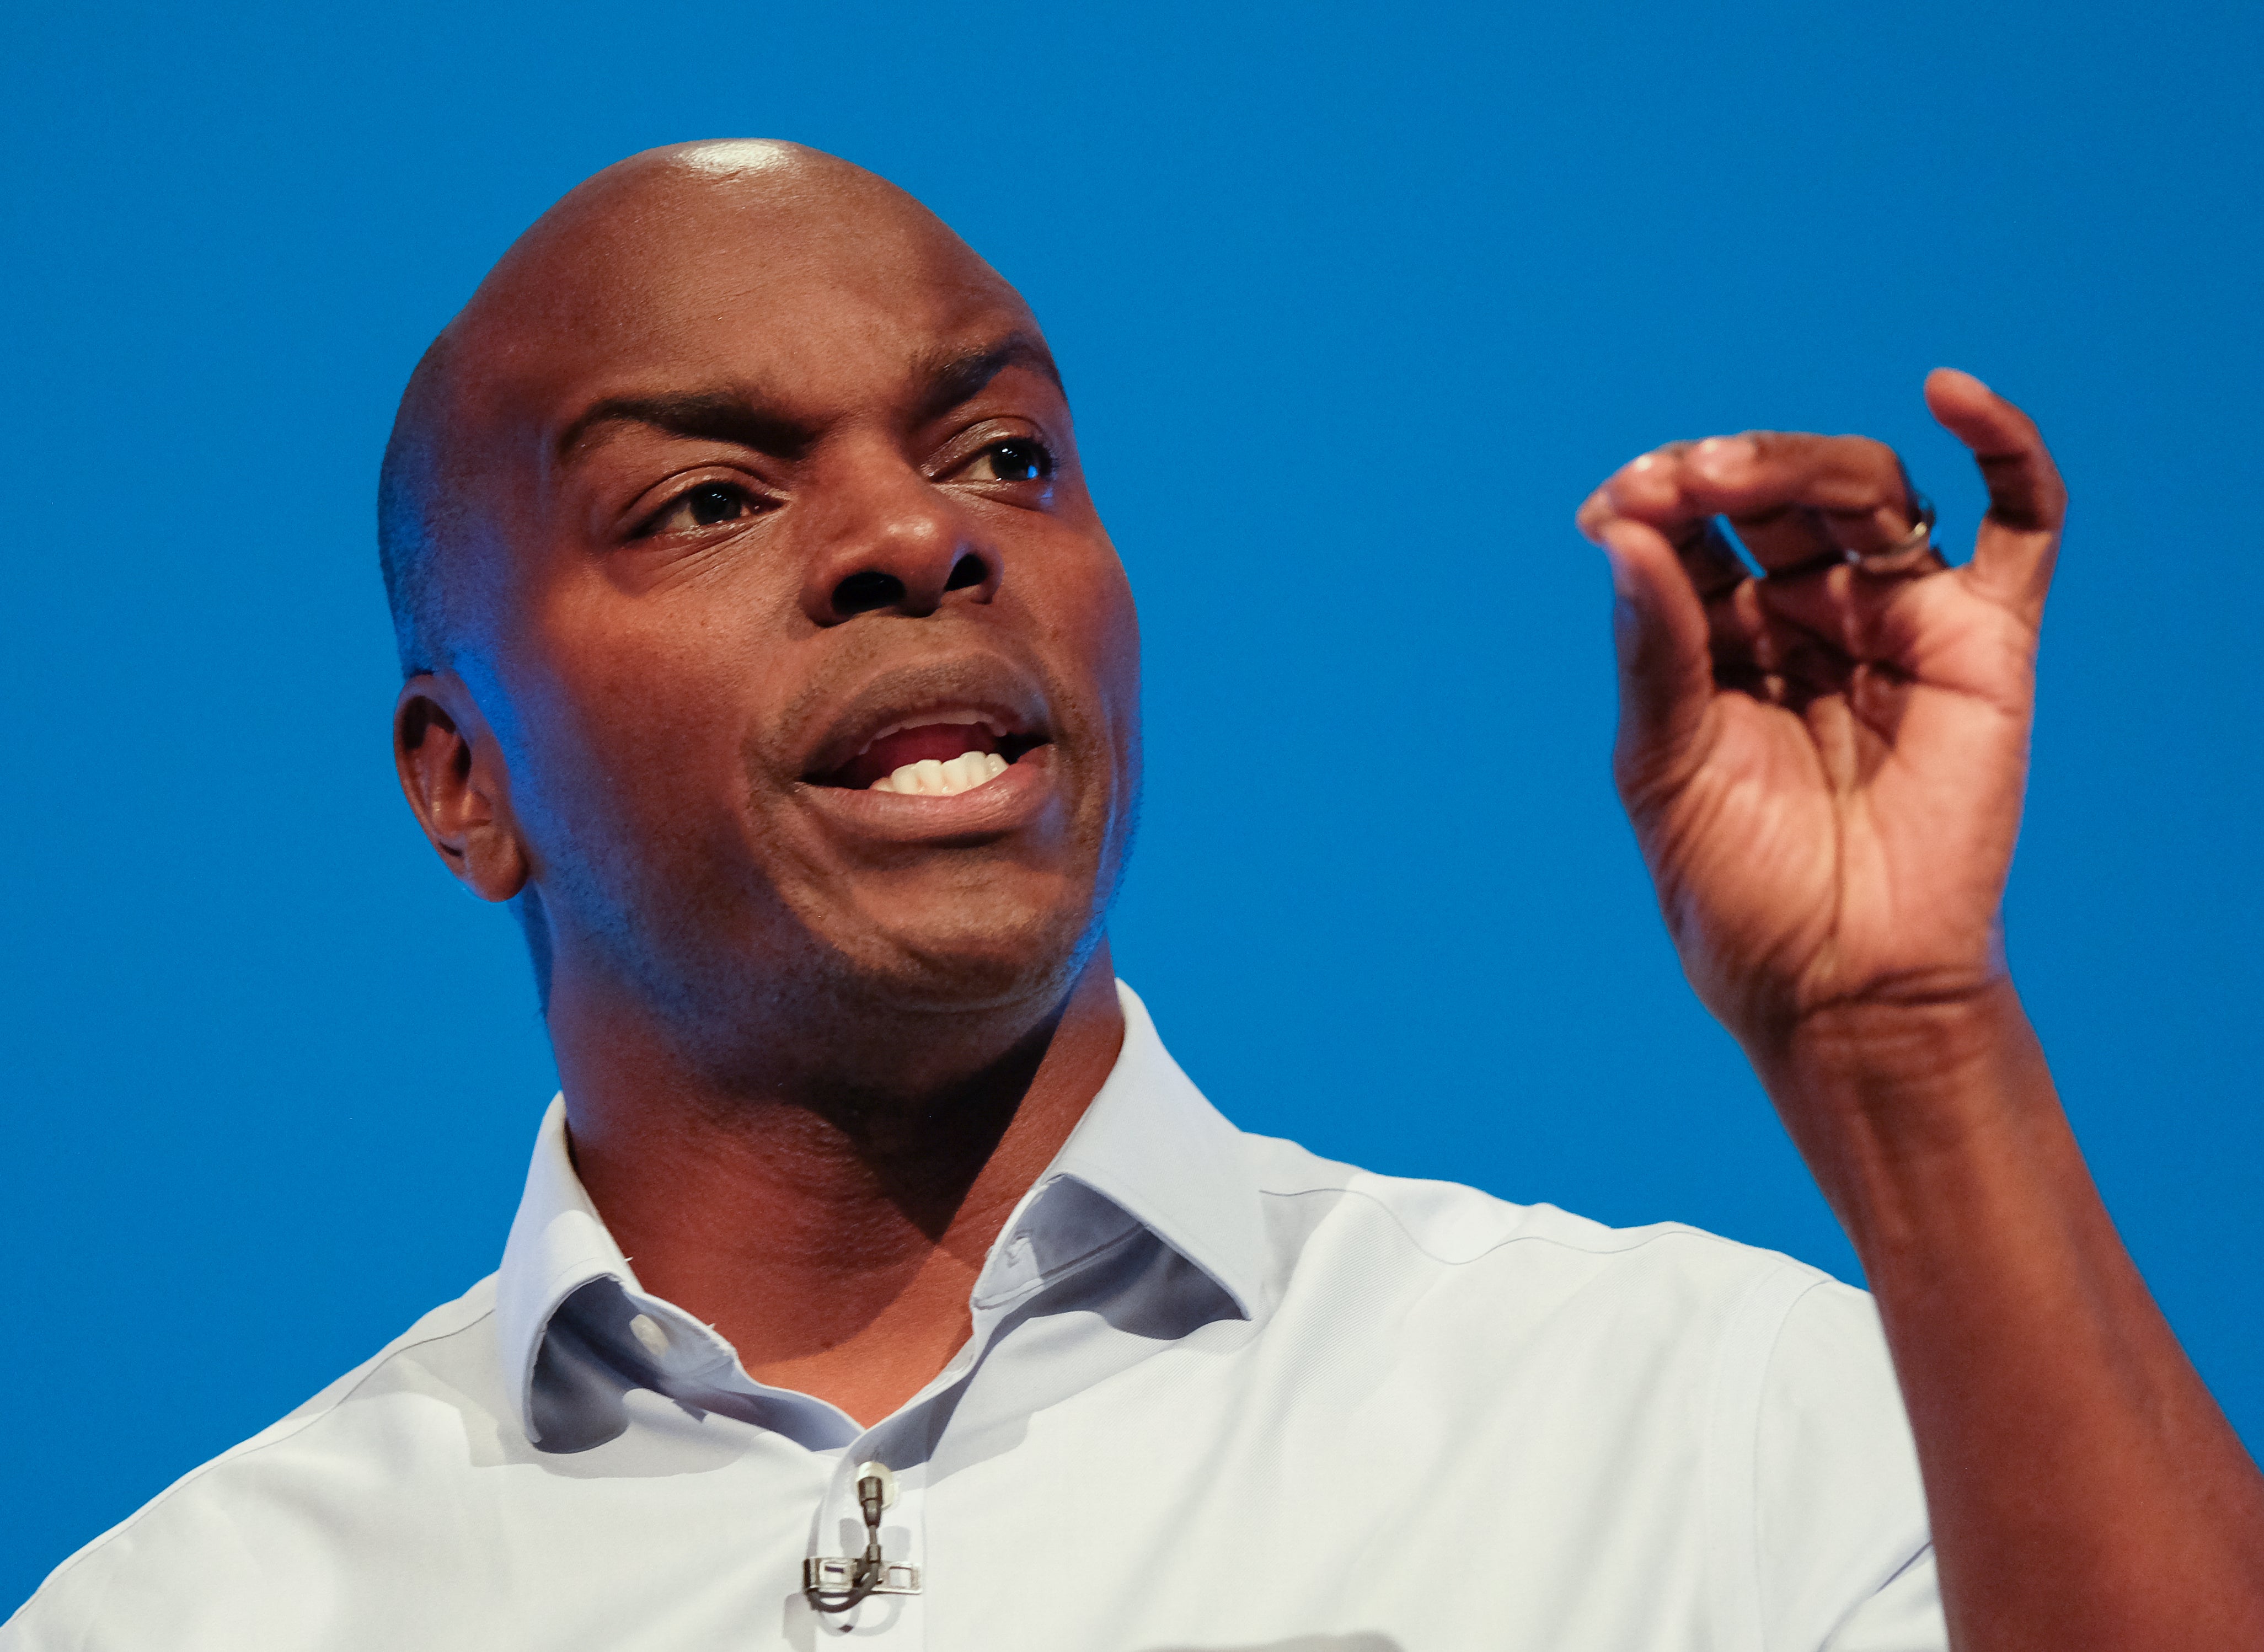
{"x":1674,"y":1230}
{"x":1751,"y":1405}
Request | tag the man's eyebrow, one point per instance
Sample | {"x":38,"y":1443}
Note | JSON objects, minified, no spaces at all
{"x":953,"y":379}
{"x":732,"y":416}
{"x":740,"y":417}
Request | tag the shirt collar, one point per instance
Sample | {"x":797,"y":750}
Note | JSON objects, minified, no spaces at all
{"x":1149,"y":1143}
{"x":1152,"y":1145}
{"x":558,"y":1244}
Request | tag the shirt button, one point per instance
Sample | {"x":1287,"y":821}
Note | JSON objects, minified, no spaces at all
{"x":646,"y":1330}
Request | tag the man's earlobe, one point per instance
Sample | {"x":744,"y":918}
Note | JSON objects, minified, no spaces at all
{"x":454,"y":780}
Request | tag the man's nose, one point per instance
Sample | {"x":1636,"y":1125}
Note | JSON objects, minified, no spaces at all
{"x":896,"y":542}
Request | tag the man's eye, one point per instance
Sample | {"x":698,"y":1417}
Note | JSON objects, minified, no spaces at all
{"x":1018,"y":459}
{"x":704,"y":506}
{"x":712,"y":504}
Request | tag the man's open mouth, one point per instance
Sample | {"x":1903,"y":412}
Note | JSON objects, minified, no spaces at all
{"x":935,"y":753}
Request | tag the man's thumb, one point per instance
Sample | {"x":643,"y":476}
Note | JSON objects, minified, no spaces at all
{"x":1667,"y":673}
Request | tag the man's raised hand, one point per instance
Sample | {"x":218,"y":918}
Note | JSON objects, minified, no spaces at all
{"x":1824,"y":764}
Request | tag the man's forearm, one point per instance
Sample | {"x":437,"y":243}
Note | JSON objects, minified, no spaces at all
{"x":2086,"y":1491}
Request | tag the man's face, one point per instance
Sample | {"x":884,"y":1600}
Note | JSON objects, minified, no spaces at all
{"x":810,"y":663}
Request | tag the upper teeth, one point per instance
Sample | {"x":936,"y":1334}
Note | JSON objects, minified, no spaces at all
{"x":958,"y":715}
{"x":928,"y":777}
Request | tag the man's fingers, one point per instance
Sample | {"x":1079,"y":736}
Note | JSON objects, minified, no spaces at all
{"x":2018,"y":541}
{"x":1791,"y":537}
{"x":1710,"y":560}
{"x":1794,"y":498}
{"x":1649,"y":489}
{"x":1797,"y":499}
{"x":1690,"y":621}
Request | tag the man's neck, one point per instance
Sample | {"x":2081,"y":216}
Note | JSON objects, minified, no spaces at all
{"x":834,"y":1243}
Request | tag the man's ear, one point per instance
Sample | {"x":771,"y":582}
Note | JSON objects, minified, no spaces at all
{"x":455,"y":779}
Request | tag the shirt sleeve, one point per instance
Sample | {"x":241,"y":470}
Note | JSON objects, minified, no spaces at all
{"x":1843,"y":1556}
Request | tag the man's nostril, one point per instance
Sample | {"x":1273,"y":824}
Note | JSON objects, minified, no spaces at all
{"x":969,"y":570}
{"x":863,"y":592}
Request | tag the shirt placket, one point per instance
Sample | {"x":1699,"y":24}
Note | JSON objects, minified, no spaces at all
{"x":900,"y":1619}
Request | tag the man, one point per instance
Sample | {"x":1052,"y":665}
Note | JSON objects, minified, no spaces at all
{"x":878,"y":1275}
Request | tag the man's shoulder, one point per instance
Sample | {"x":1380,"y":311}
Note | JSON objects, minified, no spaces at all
{"x":1504,"y":1315}
{"x":1443,"y":1237}
{"x":1455,"y":1224}
{"x":206,"y":1528}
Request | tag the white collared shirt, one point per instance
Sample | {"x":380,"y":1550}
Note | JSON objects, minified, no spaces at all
{"x":1221,"y":1393}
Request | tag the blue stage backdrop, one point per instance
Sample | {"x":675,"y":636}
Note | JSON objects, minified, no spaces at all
{"x":1355,"y":303}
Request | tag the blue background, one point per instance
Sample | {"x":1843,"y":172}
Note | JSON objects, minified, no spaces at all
{"x":1356,"y":304}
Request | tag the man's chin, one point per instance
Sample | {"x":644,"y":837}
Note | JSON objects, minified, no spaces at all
{"x":981,"y":958}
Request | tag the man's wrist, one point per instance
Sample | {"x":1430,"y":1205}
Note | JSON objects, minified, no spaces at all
{"x":1914,"y":1042}
{"x":1884,"y":1098}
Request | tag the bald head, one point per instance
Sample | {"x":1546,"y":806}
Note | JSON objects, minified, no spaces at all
{"x":720,"y":235}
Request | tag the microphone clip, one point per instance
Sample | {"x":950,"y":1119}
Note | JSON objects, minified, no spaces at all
{"x":838,"y":1583}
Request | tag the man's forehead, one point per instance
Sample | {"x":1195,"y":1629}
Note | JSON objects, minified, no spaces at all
{"x":688,"y":278}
